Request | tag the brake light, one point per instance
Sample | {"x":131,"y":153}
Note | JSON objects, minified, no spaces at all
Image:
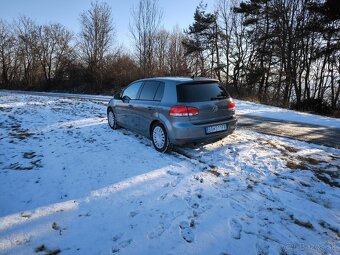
{"x":179,"y":111}
{"x":231,"y":105}
{"x":192,"y":111}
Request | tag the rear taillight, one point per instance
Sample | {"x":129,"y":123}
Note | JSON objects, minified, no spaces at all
{"x":192,"y":111}
{"x":179,"y":111}
{"x":231,"y":105}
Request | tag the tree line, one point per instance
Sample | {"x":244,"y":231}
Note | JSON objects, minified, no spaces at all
{"x":51,"y":57}
{"x":282,"y":52}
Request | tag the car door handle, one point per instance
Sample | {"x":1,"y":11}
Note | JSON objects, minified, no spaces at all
{"x":130,"y":106}
{"x":150,"y":108}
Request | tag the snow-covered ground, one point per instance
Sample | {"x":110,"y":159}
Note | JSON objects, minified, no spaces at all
{"x":71,"y":185}
{"x":261,"y":110}
{"x":243,"y":107}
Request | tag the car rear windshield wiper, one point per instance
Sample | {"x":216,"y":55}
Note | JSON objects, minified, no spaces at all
{"x":218,"y":98}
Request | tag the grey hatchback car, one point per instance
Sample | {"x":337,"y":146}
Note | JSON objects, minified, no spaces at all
{"x":174,"y":111}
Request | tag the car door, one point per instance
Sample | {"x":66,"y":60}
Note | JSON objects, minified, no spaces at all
{"x":124,"y":108}
{"x":147,"y":105}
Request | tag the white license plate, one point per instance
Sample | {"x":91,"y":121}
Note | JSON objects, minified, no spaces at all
{"x":217,"y":128}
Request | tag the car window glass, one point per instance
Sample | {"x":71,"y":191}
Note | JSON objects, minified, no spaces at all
{"x":132,"y":91}
{"x":201,"y":92}
{"x":159,"y":92}
{"x":149,"y":90}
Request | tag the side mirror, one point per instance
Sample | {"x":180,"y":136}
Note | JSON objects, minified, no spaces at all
{"x":117,"y":96}
{"x":125,"y":99}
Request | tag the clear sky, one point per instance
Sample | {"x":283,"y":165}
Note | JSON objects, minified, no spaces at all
{"x":67,"y":12}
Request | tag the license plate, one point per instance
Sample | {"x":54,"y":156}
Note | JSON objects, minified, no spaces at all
{"x":217,"y":128}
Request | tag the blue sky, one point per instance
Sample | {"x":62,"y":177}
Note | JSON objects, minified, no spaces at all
{"x":66,"y":12}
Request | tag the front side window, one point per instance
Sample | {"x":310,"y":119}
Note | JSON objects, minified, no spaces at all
{"x":131,"y":92}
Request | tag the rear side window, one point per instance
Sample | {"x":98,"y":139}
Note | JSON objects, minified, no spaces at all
{"x":187,"y":93}
{"x":149,"y":90}
{"x":160,"y":92}
{"x":152,"y":91}
{"x":132,"y":91}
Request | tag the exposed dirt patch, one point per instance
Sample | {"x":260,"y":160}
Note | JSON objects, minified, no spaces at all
{"x":20,"y":134}
{"x":310,"y":161}
{"x":214,"y":172}
{"x":305,"y":224}
{"x":250,"y":187}
{"x":17,"y":166}
{"x":322,"y":176}
{"x":323,"y":172}
{"x":289,"y":148}
{"x":294,"y":164}
{"x":43,"y":248}
{"x":55,"y":226}
{"x":29,"y":155}
{"x":16,"y":130}
{"x":305,"y":184}
{"x":5,"y":109}
{"x":329,"y":227}
{"x":306,"y":163}
{"x":25,"y":215}
{"x":37,"y":163}
{"x":30,"y":165}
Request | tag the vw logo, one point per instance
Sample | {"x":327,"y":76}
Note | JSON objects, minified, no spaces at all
{"x":214,"y":108}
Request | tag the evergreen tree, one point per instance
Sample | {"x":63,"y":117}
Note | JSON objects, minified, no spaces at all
{"x":202,"y":43}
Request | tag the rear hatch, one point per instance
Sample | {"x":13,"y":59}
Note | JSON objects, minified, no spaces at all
{"x":210,"y":98}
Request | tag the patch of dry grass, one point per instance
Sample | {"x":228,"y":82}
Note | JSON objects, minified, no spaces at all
{"x":310,"y":161}
{"x":214,"y":172}
{"x":295,"y":165}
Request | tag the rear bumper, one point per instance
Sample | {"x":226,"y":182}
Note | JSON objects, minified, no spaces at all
{"x":185,"y":132}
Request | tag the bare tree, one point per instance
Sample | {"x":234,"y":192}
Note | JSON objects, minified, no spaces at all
{"x":26,"y":31}
{"x":53,"y":48}
{"x":234,"y":41}
{"x":177,"y":61}
{"x":145,"y":25}
{"x":160,"y":53}
{"x":224,"y":8}
{"x":8,"y":58}
{"x":96,"y":37}
{"x":120,"y":69}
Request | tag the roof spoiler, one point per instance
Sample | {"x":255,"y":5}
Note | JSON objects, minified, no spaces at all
{"x":199,"y":80}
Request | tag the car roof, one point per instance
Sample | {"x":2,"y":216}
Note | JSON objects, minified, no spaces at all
{"x":177,"y":80}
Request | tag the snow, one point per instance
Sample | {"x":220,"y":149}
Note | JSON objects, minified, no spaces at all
{"x":243,"y":108}
{"x":70,"y":184}
{"x":261,"y":110}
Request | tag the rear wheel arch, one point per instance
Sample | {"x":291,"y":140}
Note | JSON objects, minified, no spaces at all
{"x":111,"y":118}
{"x":109,"y":109}
{"x":154,"y":122}
{"x":159,"y":136}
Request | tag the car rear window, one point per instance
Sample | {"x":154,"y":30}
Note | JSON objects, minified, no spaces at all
{"x":187,"y":93}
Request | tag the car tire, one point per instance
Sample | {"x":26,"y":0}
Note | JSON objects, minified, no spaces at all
{"x":159,"y":137}
{"x":111,"y":119}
